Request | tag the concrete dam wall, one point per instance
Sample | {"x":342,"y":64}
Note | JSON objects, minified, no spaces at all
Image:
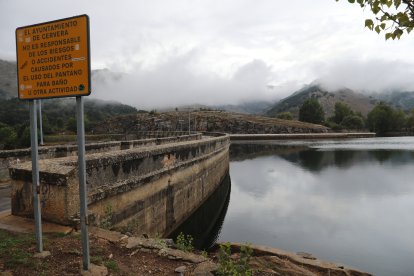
{"x":150,"y":189}
{"x":11,"y":157}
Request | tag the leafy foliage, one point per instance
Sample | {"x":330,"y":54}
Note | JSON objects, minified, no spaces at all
{"x":410,"y":120}
{"x":393,"y":17}
{"x":345,"y":117}
{"x":59,"y":115}
{"x":285,"y":115}
{"x":184,"y":242}
{"x":380,"y":118}
{"x":229,"y":266}
{"x":291,"y":103}
{"x":112,"y":265}
{"x":383,"y":118}
{"x":312,"y":112}
{"x":353,"y":122}
{"x":7,"y":136}
{"x":342,"y":110}
{"x":106,"y":222}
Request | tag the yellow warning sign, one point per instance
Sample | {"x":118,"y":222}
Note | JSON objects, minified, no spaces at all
{"x":53,"y":59}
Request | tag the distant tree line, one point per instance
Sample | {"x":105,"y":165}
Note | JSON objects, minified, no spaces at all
{"x":382,"y":119}
{"x":59,"y":116}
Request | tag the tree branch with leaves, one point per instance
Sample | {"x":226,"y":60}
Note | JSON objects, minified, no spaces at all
{"x":392,"y":17}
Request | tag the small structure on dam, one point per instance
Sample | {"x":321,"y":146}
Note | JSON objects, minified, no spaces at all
{"x":141,"y":186}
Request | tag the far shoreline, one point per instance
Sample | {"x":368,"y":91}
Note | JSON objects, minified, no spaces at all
{"x":302,"y":136}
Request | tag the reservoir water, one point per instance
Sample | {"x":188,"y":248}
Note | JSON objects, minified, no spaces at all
{"x":345,"y":201}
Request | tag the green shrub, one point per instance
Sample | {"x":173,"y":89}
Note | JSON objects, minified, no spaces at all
{"x":285,"y":116}
{"x":184,"y":242}
{"x":311,"y":111}
{"x":106,"y":222}
{"x":112,"y":265}
{"x":8,"y":137}
{"x":353,"y":122}
{"x":228,"y":266}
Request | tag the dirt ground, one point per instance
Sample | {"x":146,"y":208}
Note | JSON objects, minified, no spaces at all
{"x":17,"y":250}
{"x":17,"y":257}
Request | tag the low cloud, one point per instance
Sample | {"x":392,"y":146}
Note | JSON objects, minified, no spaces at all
{"x":169,"y":53}
{"x":367,"y":76}
{"x":176,"y":82}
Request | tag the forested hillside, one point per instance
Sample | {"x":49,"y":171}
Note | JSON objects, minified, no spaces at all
{"x":58,"y":117}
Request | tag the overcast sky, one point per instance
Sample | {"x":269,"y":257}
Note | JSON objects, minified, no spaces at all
{"x":227,"y":51}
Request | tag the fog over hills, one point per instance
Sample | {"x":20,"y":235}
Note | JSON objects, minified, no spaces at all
{"x":168,"y":54}
{"x":403,"y":100}
{"x":358,"y":101}
{"x":8,"y":79}
{"x":109,"y":85}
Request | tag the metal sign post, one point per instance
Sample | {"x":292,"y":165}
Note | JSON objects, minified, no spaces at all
{"x":35,"y":176}
{"x":82,"y":182}
{"x":40,"y":122}
{"x":53,"y":60}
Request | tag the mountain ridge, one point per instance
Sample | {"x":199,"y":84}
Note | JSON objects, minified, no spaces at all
{"x":8,"y":79}
{"x":357,"y":101}
{"x":360,"y":102}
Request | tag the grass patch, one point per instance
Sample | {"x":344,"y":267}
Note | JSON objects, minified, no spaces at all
{"x":106,"y":222}
{"x":12,"y":252}
{"x":18,"y":257}
{"x":112,"y":265}
{"x":9,"y":240}
{"x":76,"y":235}
{"x":57,"y":235}
{"x":98,"y":260}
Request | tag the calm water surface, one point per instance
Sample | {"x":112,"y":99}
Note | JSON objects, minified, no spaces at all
{"x":349,"y":201}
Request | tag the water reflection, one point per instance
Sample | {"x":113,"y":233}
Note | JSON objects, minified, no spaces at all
{"x":338,"y":201}
{"x":206,"y":222}
{"x":317,"y":160}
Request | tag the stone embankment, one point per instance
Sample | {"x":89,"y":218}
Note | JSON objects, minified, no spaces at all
{"x":205,"y":121}
{"x":264,"y":260}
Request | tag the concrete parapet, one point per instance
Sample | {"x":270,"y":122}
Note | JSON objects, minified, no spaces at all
{"x":10,"y":157}
{"x":149,"y":189}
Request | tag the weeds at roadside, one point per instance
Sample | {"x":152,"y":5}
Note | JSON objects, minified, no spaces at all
{"x":76,"y":235}
{"x":42,"y":268}
{"x":160,"y":241}
{"x":11,"y":253}
{"x":58,"y":235}
{"x":131,"y":226}
{"x":18,"y":257}
{"x":184,"y":242}
{"x":97,"y":260}
{"x":228,"y":266}
{"x":106,"y":222}
{"x":111,"y":265}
